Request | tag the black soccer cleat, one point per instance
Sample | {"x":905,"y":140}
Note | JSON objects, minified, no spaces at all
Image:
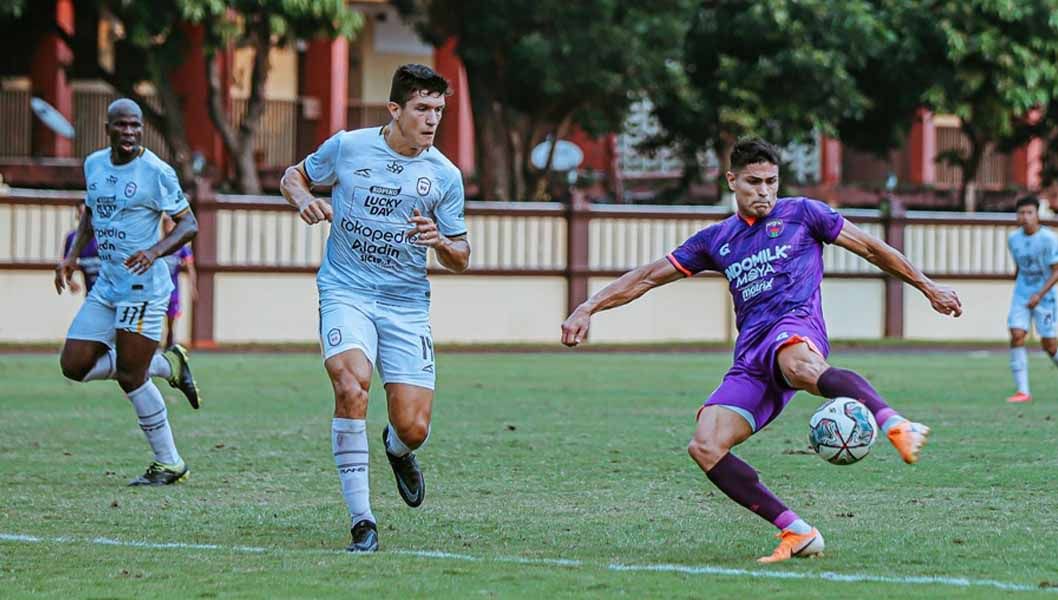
{"x":161,"y":474}
{"x":365,"y":537}
{"x":181,"y":377}
{"x":410,"y":483}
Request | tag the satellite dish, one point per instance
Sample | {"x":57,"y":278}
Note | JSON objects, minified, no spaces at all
{"x":51,"y":117}
{"x":568,"y":156}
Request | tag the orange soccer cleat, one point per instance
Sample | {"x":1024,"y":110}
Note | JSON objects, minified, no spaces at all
{"x":908,"y":438}
{"x":793,"y":544}
{"x":1019,"y":398}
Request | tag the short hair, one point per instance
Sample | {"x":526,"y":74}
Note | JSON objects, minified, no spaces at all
{"x":412,"y":78}
{"x":753,"y":150}
{"x":1030,"y":200}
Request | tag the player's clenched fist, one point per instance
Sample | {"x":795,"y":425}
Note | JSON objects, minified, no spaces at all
{"x":945,"y":301}
{"x":575,"y":328}
{"x":315,"y":211}
{"x":425,"y":229}
{"x":64,"y":275}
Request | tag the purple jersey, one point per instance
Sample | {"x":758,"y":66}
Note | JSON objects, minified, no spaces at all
{"x":87,"y":261}
{"x":773,"y":265}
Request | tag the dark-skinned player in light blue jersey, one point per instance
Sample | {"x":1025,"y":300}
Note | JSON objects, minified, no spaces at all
{"x":771,"y":252}
{"x":394,"y":197}
{"x":116,"y":332}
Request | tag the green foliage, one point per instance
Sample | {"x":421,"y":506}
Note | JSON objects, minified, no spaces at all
{"x":777,"y":68}
{"x":549,"y":61}
{"x":287,"y":19}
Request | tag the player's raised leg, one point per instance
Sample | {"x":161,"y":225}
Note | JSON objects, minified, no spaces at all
{"x":410,"y":408}
{"x":805,"y":369}
{"x":350,"y":374}
{"x":134,"y":354}
{"x":720,"y":428}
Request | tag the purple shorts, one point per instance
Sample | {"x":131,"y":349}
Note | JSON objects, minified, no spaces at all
{"x":754,"y":387}
{"x":174,"y":304}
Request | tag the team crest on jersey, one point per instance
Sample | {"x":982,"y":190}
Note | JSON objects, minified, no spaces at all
{"x":334,"y":336}
{"x":105,"y":207}
{"x":774,"y":228}
{"x":423,"y":186}
{"x":130,"y":189}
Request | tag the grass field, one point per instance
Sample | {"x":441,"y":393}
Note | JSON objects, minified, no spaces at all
{"x":547,"y":475}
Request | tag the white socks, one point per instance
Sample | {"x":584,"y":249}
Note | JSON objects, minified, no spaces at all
{"x":154,"y":421}
{"x":799,"y":527}
{"x":1019,"y":366}
{"x":394,"y":445}
{"x":160,"y":367}
{"x":349,"y":442}
{"x":105,"y":367}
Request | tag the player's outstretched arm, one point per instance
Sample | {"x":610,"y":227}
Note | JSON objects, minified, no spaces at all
{"x":627,"y":288}
{"x":885,"y":257}
{"x":295,"y":188}
{"x":184,"y":231}
{"x":66,"y":267}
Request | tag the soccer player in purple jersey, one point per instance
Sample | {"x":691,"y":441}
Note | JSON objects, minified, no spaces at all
{"x":771,"y":252}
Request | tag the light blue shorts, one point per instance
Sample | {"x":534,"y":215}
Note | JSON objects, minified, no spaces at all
{"x":1043,"y":315}
{"x":395,"y":338}
{"x":99,"y":319}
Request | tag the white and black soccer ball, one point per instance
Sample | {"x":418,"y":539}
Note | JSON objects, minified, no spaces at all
{"x":842,"y":431}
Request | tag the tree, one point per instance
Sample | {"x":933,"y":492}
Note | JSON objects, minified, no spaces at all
{"x":536,"y":68}
{"x":261,"y":25}
{"x":154,"y":45}
{"x":780,"y":69}
{"x":997,"y":62}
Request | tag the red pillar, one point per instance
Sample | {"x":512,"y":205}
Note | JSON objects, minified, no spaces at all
{"x":51,"y":58}
{"x":922,"y":148}
{"x":455,"y":138}
{"x":1026,"y":162}
{"x":189,"y":83}
{"x":325,"y":78}
{"x":829,"y":161}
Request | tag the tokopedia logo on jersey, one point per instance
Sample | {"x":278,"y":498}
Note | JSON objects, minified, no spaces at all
{"x":753,"y":268}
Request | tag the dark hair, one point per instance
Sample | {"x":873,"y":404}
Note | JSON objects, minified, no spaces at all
{"x":1029,"y":200}
{"x":410,"y":79}
{"x":753,"y":150}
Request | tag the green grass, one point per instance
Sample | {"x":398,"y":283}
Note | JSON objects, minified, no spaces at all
{"x":536,"y":456}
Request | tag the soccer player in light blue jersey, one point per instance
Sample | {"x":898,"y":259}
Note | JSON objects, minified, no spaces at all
{"x":394,"y":197}
{"x":771,"y":252}
{"x":1035,"y":252}
{"x":116,"y":332}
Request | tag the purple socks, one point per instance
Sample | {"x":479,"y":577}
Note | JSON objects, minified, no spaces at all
{"x":842,"y":383}
{"x":739,"y":481}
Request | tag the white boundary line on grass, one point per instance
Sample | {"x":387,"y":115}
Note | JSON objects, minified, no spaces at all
{"x":962,"y":582}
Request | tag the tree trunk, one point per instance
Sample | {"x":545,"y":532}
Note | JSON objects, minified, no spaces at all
{"x":969,"y":168}
{"x":493,"y":155}
{"x":722,"y":148}
{"x":240,"y":144}
{"x":173,"y":125}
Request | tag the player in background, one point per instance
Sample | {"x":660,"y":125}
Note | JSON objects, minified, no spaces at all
{"x":771,"y":252}
{"x":87,"y":260}
{"x":394,"y":197}
{"x":116,"y":332}
{"x":181,"y":260}
{"x":1035,"y":252}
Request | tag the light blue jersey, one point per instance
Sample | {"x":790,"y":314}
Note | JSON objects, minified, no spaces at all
{"x":369,"y":251}
{"x":127,"y":202}
{"x":1034,"y":255}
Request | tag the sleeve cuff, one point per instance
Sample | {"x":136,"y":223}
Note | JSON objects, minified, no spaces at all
{"x":672,"y":260}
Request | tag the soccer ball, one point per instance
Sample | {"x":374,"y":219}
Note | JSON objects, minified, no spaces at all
{"x":842,"y":431}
